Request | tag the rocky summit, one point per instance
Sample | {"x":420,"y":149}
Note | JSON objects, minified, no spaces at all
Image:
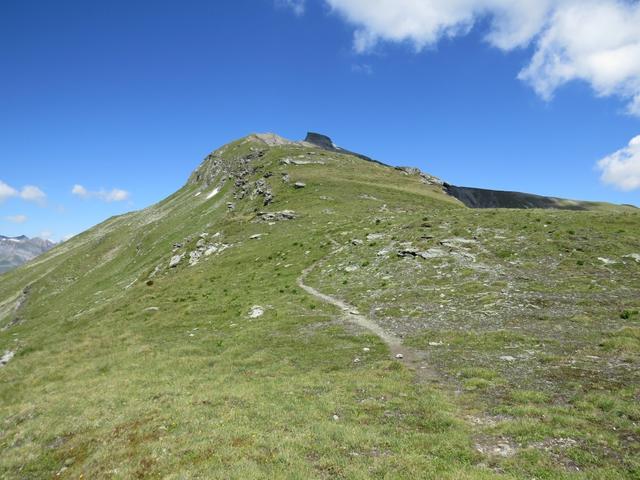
{"x":297,"y":310}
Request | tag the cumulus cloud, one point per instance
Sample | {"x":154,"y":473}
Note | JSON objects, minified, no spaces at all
{"x":16,"y":218}
{"x":80,"y":191}
{"x":6,"y":191}
{"x":622,"y":168}
{"x":595,"y":41}
{"x":31,"y":193}
{"x":114,"y":195}
{"x":297,"y":6}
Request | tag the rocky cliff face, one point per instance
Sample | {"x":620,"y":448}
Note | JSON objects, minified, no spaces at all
{"x":14,"y":251}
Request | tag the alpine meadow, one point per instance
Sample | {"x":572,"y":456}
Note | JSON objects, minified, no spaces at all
{"x":300,"y":311}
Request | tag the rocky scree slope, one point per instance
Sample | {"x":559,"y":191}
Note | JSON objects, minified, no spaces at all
{"x":179,"y":342}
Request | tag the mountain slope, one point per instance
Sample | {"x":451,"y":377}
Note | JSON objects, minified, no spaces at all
{"x":179,"y":341}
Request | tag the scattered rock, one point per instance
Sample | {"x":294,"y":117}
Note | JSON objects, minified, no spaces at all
{"x":336,"y":418}
{"x":263,"y":189}
{"x":351,"y":268}
{"x":355,"y":241}
{"x":399,"y":356}
{"x":606,"y":261}
{"x":424,"y":177}
{"x":356,"y":360}
{"x":299,"y":185}
{"x":432,"y":253}
{"x":436,"y":344}
{"x":194,"y":257}
{"x":375,"y":236}
{"x":458,"y":242}
{"x":633,"y":256}
{"x":501,"y":449}
{"x":151,"y":309}
{"x":414,"y":252}
{"x":257,"y":236}
{"x":277,"y":216}
{"x":507,"y":358}
{"x":364,"y":196}
{"x":366,"y":349}
{"x":6,"y":358}
{"x":256,"y":311}
{"x":408,"y":252}
{"x":175,"y":260}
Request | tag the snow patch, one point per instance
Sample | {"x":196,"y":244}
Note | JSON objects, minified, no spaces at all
{"x":213,"y":193}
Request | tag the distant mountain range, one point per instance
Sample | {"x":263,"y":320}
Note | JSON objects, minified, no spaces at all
{"x":14,"y":251}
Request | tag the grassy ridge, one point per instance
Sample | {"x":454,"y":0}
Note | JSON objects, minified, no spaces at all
{"x":116,"y":376}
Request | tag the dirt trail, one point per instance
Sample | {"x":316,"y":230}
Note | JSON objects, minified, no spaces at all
{"x":413,"y":358}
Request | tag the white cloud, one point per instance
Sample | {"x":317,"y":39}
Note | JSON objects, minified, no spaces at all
{"x":16,"y":218}
{"x":80,"y":191}
{"x":595,"y":41}
{"x":297,"y":6}
{"x":6,"y":191}
{"x":114,"y":195}
{"x":622,"y":168}
{"x":31,"y":193}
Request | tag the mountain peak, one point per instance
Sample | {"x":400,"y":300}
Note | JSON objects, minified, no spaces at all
{"x":269,"y":139}
{"x":320,"y":140}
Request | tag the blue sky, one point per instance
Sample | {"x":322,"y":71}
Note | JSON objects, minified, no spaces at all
{"x":122,"y":100}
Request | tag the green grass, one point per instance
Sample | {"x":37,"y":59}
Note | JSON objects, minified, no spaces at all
{"x":104,"y":388}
